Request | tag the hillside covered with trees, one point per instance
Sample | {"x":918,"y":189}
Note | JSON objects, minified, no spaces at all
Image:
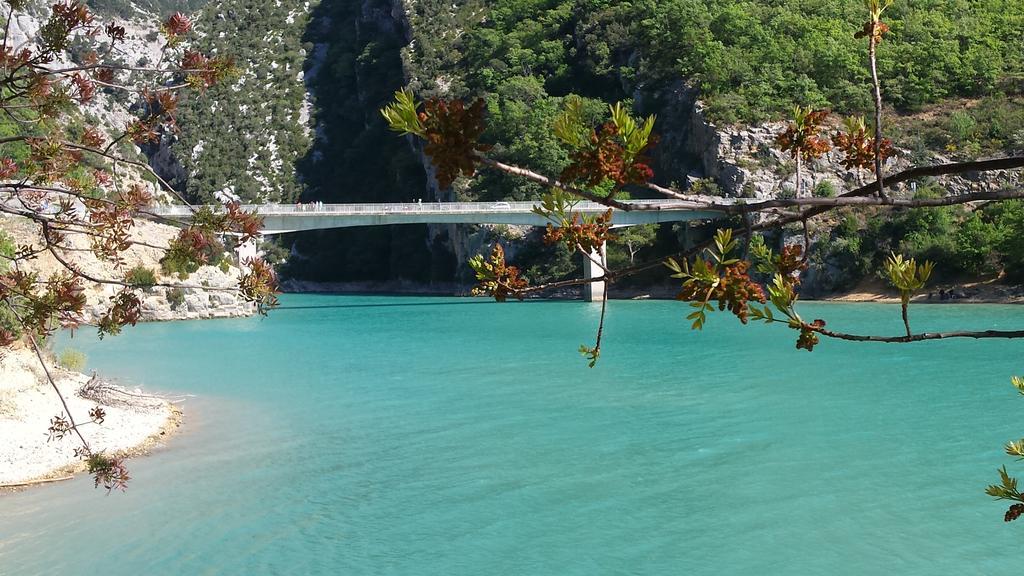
{"x":952,"y":71}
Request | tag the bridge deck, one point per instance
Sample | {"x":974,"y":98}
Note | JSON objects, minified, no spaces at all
{"x":283,"y":218}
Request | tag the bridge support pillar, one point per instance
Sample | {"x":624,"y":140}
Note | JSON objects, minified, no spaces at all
{"x":594,"y":291}
{"x":247,"y":251}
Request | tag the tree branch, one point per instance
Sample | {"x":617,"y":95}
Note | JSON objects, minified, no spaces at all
{"x":1006,"y":334}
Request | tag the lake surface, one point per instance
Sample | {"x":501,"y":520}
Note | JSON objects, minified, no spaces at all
{"x":370,"y":435}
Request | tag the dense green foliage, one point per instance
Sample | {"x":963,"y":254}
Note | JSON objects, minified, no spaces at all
{"x":244,"y":136}
{"x":141,"y":276}
{"x":966,"y":128}
{"x":962,"y":242}
{"x":161,"y":8}
{"x":752,"y":60}
{"x":143,"y":8}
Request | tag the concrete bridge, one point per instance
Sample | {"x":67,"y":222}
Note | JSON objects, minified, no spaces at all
{"x":285,"y":218}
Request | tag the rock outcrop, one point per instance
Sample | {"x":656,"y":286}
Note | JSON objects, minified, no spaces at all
{"x":210,"y":292}
{"x":744,"y":161}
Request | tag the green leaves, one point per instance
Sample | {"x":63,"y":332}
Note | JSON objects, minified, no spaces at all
{"x":724,"y":245}
{"x":762,"y":255}
{"x":1018,"y":383}
{"x":569,"y":126}
{"x":555,"y":205}
{"x":782,"y":295}
{"x":702,"y":275}
{"x":765,"y":314}
{"x":906,"y":275}
{"x":699,"y":316}
{"x":1015,"y":448}
{"x":611,"y":154}
{"x":1007,"y":487}
{"x":635,"y":137}
{"x":402,"y":115}
{"x":1006,"y":490}
{"x":495,"y":277}
{"x":591,"y":354}
{"x":877,"y":7}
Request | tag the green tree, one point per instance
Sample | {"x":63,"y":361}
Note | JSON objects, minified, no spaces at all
{"x":636,"y":238}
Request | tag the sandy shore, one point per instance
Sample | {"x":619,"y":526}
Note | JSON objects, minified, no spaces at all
{"x":961,"y":293}
{"x":134,"y":422}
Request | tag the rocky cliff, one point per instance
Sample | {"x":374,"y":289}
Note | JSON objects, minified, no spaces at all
{"x":744,"y":161}
{"x":210,"y":292}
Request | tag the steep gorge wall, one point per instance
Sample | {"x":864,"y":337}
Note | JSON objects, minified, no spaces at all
{"x":354,"y":69}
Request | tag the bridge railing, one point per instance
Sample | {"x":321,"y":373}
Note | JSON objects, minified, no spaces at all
{"x":397,"y":208}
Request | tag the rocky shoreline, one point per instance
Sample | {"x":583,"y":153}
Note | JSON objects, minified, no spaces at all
{"x":134,"y":422}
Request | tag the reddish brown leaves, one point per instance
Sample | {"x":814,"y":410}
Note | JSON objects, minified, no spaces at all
{"x":114,"y":32}
{"x":202,"y":72}
{"x":177,"y":25}
{"x":108,"y":472}
{"x":97,"y":414}
{"x":113,"y":222}
{"x":134,"y":198}
{"x":104,"y":75}
{"x":801,"y":137}
{"x":588,"y":235}
{"x":43,"y":306}
{"x":190,"y":249}
{"x":259,"y":284}
{"x":59,"y":428}
{"x":84,"y":89}
{"x":733,"y":289}
{"x":873,"y":30}
{"x":159,"y":117}
{"x":11,"y":58}
{"x":40,"y":88}
{"x":790,"y":263}
{"x":858,"y":145}
{"x":142,"y":133}
{"x":808,"y":338}
{"x":193,"y":61}
{"x":51,"y":179}
{"x":93,"y":137}
{"x":606,"y":157}
{"x":198,"y":244}
{"x":65,"y":18}
{"x":125,"y":309}
{"x":1014,"y":512}
{"x":246,"y":224}
{"x":497,"y":278}
{"x":7,"y":168}
{"x":452,"y":132}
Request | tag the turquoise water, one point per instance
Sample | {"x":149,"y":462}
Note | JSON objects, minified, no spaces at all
{"x":369,"y":435}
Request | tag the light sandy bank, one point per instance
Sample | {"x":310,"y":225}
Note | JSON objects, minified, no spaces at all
{"x":134,"y":423}
{"x":977,"y":292}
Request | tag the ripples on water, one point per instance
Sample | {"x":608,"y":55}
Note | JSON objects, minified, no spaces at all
{"x":364,"y":435}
